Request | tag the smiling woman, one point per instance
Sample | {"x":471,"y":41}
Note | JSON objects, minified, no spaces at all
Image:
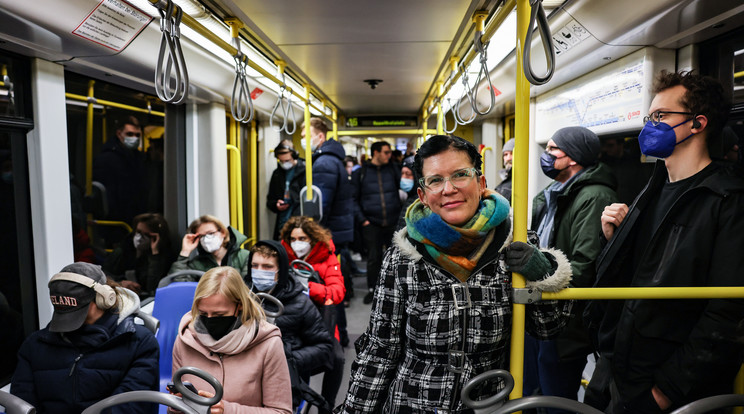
{"x":443,"y":275}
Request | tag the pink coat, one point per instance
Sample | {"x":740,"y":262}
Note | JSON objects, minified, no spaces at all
{"x":249,"y":362}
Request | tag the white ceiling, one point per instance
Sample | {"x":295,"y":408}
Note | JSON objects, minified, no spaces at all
{"x":338,"y":44}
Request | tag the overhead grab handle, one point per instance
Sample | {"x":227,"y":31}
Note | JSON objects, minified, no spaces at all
{"x":241,"y":102}
{"x":283,"y":104}
{"x":537,"y":15}
{"x":466,"y":93}
{"x":171,"y":75}
{"x":453,"y":73}
{"x":481,"y":48}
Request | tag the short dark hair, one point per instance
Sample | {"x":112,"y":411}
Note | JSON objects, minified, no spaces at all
{"x":263,"y":250}
{"x":704,"y":96}
{"x":440,"y":143}
{"x":127,"y":120}
{"x":378,"y":146}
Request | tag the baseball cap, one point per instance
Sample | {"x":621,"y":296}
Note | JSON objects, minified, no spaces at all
{"x":71,"y":299}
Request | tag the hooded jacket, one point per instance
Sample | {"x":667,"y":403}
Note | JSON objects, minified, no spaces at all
{"x":689,"y":348}
{"x":403,"y":357}
{"x":66,"y":373}
{"x":329,"y":270}
{"x":329,"y":174}
{"x":276,"y":191}
{"x":301,"y":325}
{"x":122,"y":172}
{"x":575,"y":232}
{"x":235,"y":256}
{"x":249,"y":362}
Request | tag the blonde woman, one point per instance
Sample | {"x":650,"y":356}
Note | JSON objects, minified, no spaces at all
{"x":216,"y":244}
{"x":226,"y":334}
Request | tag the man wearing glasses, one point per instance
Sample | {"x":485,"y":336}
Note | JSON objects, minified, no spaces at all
{"x":684,"y":229}
{"x":376,"y":207}
{"x":565,"y":216}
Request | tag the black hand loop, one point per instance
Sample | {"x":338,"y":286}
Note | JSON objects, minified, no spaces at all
{"x":537,"y":15}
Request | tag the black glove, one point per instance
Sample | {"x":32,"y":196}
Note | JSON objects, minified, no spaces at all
{"x":528,"y":261}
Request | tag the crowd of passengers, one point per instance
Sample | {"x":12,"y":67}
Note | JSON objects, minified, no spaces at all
{"x":440,"y":257}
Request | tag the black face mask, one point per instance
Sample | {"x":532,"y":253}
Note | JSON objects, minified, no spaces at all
{"x":218,"y":326}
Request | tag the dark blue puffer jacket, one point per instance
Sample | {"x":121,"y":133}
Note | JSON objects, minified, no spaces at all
{"x":329,"y":174}
{"x":67,"y":374}
{"x":376,"y":196}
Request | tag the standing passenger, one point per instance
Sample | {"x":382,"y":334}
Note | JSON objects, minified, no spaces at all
{"x":226,"y":334}
{"x":329,"y":174}
{"x":442,"y":309}
{"x":505,"y":186}
{"x":684,"y":229}
{"x":565,"y":215}
{"x":376,"y":207}
{"x":286,"y":182}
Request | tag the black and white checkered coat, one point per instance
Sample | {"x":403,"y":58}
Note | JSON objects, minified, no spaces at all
{"x":402,"y":358}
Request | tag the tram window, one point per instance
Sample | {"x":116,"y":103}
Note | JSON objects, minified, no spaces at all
{"x":12,"y":85}
{"x":127,"y":164}
{"x":739,"y":75}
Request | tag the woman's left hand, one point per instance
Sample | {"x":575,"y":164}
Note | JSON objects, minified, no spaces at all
{"x":218,"y":408}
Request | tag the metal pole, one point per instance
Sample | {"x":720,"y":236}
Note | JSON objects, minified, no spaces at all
{"x":521,"y":162}
{"x":254,"y":182}
{"x":308,"y":150}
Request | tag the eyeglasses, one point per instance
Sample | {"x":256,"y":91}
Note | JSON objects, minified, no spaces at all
{"x":657,"y":116}
{"x":458,"y":179}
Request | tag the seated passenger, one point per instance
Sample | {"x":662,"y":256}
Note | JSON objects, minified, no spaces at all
{"x":216,"y":245}
{"x":305,"y":239}
{"x":226,"y":334}
{"x":306,"y":339}
{"x":144,"y":256}
{"x":91,"y":349}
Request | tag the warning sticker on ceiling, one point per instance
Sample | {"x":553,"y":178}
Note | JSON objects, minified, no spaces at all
{"x":113,"y":24}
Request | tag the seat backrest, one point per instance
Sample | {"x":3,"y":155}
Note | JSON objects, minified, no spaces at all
{"x":15,"y":405}
{"x":171,"y":303}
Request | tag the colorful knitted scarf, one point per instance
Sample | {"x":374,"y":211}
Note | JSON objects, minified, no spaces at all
{"x":456,"y":248}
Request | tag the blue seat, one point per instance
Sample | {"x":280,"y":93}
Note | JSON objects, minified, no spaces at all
{"x":171,"y":303}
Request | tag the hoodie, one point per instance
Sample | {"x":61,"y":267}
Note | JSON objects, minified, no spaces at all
{"x":249,"y":362}
{"x":302,"y":327}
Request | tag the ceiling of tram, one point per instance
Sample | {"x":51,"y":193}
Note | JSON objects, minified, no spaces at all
{"x":338,"y":44}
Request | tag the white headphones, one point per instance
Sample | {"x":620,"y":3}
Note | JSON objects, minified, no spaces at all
{"x":105,"y":294}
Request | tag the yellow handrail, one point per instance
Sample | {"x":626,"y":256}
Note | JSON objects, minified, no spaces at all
{"x":91,"y":100}
{"x":483,"y":159}
{"x":519,"y":197}
{"x":695,"y":292}
{"x":235,"y":179}
{"x":112,"y":223}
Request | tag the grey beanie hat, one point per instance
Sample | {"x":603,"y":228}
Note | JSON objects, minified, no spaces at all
{"x":509,"y":146}
{"x":579,"y":143}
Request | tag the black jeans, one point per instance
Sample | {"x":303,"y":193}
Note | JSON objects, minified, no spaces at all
{"x":377,"y":239}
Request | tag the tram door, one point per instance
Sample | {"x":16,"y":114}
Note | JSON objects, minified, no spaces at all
{"x":18,"y":307}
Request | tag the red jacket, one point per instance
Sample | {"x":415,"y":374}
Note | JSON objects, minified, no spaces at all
{"x":328,"y":269}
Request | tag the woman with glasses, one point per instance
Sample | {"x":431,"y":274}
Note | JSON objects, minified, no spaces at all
{"x":216,"y":245}
{"x":442,"y":309}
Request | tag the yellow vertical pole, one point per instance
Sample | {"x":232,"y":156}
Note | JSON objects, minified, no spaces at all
{"x":440,"y":114}
{"x":308,"y":150}
{"x":521,"y":152}
{"x":89,"y":142}
{"x":231,"y":174}
{"x":254,"y":182}
{"x":335,"y":124}
{"x":104,"y":130}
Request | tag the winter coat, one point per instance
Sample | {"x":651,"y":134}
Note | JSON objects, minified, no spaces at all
{"x":122,"y":172}
{"x":301,"y":324}
{"x":505,"y":186}
{"x":235,"y":256}
{"x":376,"y":195}
{"x":66,"y":373}
{"x":402,"y":358}
{"x":329,"y":174}
{"x":689,"y":348}
{"x":148,"y":268}
{"x":575,"y":232}
{"x":326,"y":264}
{"x":276,"y":192}
{"x":254,"y":375}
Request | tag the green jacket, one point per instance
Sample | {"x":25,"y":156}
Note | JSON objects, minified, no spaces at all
{"x":235,"y":257}
{"x":577,"y":221}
